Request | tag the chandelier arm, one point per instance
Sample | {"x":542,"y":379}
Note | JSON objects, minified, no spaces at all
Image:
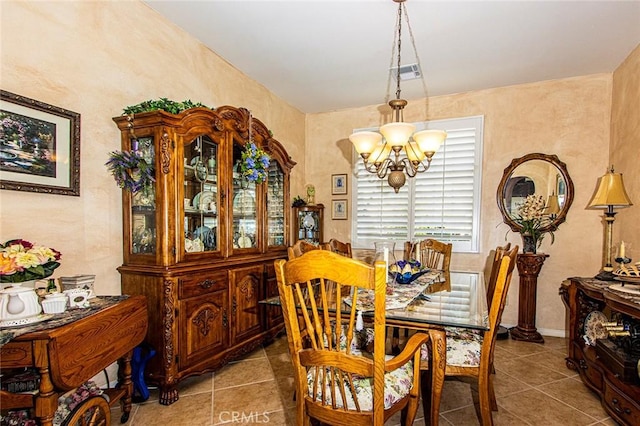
{"x":409,"y":167}
{"x":383,"y":168}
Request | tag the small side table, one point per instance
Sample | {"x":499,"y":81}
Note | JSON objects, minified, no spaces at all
{"x":529,"y":266}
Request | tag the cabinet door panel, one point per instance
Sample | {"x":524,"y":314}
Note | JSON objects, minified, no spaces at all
{"x":246,"y":285}
{"x":205,"y":323}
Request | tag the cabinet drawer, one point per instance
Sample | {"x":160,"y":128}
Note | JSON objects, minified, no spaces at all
{"x":622,"y":405}
{"x":587,"y":367}
{"x":200,"y":284}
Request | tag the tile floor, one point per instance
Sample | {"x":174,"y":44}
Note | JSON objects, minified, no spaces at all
{"x":533,"y":387}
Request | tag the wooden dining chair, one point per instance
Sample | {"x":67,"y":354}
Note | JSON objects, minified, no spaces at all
{"x":499,"y":253}
{"x":301,"y":247}
{"x":339,"y":247}
{"x":430,"y":253}
{"x":336,"y":381}
{"x":470,"y":352}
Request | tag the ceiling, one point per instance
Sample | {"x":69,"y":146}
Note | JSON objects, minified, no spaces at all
{"x":323,"y":55}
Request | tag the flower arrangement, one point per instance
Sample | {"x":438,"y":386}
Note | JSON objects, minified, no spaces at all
{"x":131,"y":171}
{"x":22,"y":261}
{"x":531,"y":217}
{"x":254,"y":164}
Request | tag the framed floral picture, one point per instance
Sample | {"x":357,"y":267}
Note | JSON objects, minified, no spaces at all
{"x":339,"y":209}
{"x":39,"y":146}
{"x":338,"y":184}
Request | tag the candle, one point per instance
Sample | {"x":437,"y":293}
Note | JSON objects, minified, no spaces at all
{"x":622,"y":249}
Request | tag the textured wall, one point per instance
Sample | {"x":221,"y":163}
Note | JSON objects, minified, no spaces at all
{"x":625,"y":148}
{"x":569,"y":118}
{"x":95,"y":58}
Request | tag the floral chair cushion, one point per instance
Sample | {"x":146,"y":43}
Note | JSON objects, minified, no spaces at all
{"x":397,"y":385}
{"x":463,"y":347}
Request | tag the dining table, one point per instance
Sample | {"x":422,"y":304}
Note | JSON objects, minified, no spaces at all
{"x":451,"y":299}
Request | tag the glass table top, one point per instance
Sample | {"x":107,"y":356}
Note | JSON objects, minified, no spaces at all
{"x":458,"y":299}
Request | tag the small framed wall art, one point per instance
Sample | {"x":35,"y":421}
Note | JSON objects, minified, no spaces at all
{"x":39,"y":146}
{"x":339,"y":209}
{"x":339,"y":184}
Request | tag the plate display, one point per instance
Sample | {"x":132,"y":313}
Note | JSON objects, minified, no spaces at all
{"x":203,"y":200}
{"x":594,"y":327}
{"x":308,"y":222}
{"x":244,"y":242}
{"x":626,"y":288}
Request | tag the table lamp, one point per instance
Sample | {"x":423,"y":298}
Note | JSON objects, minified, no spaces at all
{"x":609,"y":194}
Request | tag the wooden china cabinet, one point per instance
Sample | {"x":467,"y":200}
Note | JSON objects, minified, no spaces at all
{"x":308,"y":223}
{"x":200,"y":245}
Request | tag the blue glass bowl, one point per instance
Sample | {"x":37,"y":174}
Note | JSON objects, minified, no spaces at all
{"x":408,"y":277}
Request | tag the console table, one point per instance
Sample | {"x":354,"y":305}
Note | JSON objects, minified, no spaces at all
{"x":619,"y":393}
{"x":68,"y":355}
{"x":529,"y":266}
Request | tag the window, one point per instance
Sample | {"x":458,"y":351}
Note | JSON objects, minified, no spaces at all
{"x":441,"y":203}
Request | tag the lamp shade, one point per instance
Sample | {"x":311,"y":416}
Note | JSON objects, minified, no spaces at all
{"x":397,"y":133}
{"x":610,"y":192}
{"x":430,"y":140}
{"x":365,"y":142}
{"x":553,"y":207}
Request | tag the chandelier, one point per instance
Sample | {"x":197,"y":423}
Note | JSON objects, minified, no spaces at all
{"x":381,"y":152}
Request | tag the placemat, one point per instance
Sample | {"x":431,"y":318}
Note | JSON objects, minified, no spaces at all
{"x":402,"y":296}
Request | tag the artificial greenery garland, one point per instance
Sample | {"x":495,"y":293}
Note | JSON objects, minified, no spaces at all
{"x":163,"y":104}
{"x":131,"y":171}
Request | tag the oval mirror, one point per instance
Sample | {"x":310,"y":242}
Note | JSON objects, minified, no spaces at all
{"x":538,"y":174}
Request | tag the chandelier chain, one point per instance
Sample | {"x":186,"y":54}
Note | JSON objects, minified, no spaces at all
{"x":399,"y":50}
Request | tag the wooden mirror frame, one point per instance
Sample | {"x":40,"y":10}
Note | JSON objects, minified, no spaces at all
{"x":562,"y":170}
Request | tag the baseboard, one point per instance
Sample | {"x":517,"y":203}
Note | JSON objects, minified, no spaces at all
{"x":551,"y":332}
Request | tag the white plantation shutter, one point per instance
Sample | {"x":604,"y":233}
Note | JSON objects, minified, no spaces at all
{"x":441,"y":203}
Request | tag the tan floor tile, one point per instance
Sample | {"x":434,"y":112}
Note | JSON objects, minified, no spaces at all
{"x":576,"y":394}
{"x":556,"y":343}
{"x":539,"y":409}
{"x":468,"y":416}
{"x":253,"y":398}
{"x":504,"y":384}
{"x":456,"y":394}
{"x":528,"y":372}
{"x":279,"y":346}
{"x":196,"y":384}
{"x":187,"y":411}
{"x":256,"y":353}
{"x":276,"y":418}
{"x":552,"y":359}
{"x":520,"y":348}
{"x":116,"y":414}
{"x":609,"y":422}
{"x":242,"y":373}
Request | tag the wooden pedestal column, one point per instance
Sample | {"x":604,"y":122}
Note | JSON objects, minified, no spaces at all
{"x":529,"y":266}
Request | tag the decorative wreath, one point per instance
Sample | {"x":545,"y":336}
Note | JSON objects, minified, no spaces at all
{"x":131,"y":171}
{"x":255,"y":163}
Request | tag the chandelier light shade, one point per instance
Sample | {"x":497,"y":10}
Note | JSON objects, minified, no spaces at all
{"x":609,"y":194}
{"x":382,"y":151}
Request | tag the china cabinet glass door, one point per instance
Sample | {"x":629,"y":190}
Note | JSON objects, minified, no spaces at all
{"x":200,"y":203}
{"x":143,"y":205}
{"x":275,"y":204}
{"x":244,"y":223}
